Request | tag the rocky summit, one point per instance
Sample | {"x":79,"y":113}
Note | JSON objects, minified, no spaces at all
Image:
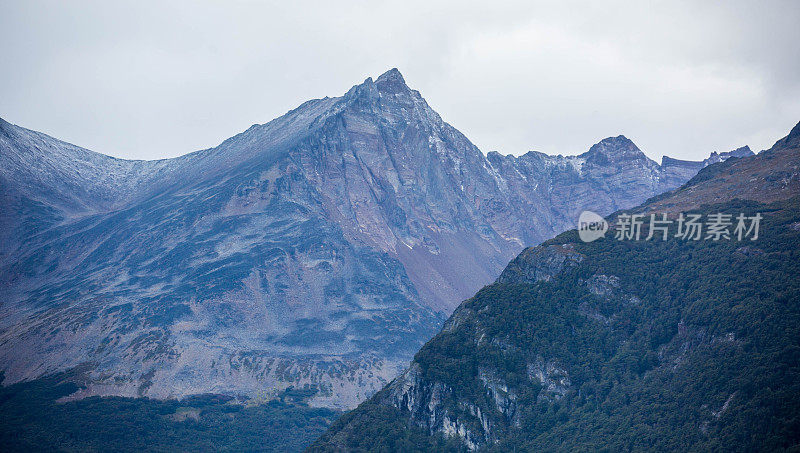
{"x":322,"y":248}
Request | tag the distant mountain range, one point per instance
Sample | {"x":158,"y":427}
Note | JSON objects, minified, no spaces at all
{"x":665,"y":345}
{"x":322,"y":248}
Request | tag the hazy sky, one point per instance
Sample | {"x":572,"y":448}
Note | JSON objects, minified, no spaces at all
{"x":149,"y":80}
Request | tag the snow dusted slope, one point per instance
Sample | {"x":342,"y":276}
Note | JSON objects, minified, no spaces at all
{"x":321,"y":248}
{"x":71,"y":178}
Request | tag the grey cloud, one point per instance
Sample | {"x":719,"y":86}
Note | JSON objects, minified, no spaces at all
{"x":149,"y":80}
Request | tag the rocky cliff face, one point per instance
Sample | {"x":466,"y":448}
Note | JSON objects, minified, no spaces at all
{"x":321,"y":248}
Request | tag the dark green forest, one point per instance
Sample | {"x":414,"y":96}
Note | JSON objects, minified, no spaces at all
{"x":32,"y":420}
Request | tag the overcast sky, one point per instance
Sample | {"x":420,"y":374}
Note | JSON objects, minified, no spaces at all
{"x":149,"y":80}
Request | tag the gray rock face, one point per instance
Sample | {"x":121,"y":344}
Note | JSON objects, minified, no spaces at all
{"x":538,"y":264}
{"x":321,"y":248}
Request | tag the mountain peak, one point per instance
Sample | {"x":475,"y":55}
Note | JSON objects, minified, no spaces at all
{"x":392,"y":75}
{"x":742,"y":151}
{"x":613,"y":149}
{"x":391,"y":81}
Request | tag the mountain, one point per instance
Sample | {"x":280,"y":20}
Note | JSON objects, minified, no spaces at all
{"x":620,"y":345}
{"x":320,"y":249}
